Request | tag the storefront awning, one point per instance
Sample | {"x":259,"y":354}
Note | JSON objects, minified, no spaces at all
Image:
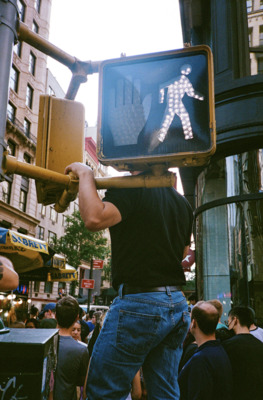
{"x":26,"y":253}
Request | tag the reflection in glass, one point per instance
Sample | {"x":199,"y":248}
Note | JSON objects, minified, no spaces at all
{"x":229,"y":238}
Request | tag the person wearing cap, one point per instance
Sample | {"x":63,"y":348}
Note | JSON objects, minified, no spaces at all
{"x":49,"y":320}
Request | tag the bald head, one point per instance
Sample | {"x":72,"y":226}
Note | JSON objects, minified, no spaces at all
{"x":206,"y":316}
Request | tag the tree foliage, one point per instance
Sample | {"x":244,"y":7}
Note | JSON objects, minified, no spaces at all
{"x":78,"y":243}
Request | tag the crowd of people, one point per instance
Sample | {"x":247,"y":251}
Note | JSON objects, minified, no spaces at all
{"x":219,"y":360}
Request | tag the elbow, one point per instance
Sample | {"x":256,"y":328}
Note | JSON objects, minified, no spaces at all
{"x":92,"y":225}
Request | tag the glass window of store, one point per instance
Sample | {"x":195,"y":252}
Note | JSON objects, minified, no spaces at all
{"x":229,"y":231}
{"x":48,"y":288}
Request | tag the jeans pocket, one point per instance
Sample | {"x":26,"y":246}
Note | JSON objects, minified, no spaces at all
{"x":136,"y":332}
{"x":177,"y":335}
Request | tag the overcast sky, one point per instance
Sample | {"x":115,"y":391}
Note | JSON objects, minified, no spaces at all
{"x":103,"y":29}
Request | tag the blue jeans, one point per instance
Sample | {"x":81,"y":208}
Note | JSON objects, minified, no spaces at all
{"x":145,"y":329}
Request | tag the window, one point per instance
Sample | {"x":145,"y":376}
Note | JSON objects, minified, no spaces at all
{"x":11,"y":112}
{"x":53,"y":215}
{"x":14,"y":76}
{"x":249,"y":6}
{"x":29,"y":96}
{"x":11,"y":147}
{"x":6,"y":224}
{"x":23,"y":231}
{"x":37,"y":5}
{"x":261,"y":35}
{"x":76,"y":207}
{"x":18,"y":49}
{"x":43,"y":210}
{"x":51,"y":91}
{"x":260,"y":65}
{"x":36,"y":286}
{"x":22,"y":200}
{"x":41,"y":232}
{"x":27,"y":158}
{"x":64,"y":221}
{"x":35,"y":27}
{"x":7,"y":184}
{"x":32,"y":63}
{"x":27,"y":126}
{"x":62,"y":288}
{"x":24,"y":187}
{"x":250,"y":43}
{"x":51,"y":237}
{"x":261,"y":5}
{"x":48,"y":287}
{"x":6,"y":191}
{"x":21,"y":10}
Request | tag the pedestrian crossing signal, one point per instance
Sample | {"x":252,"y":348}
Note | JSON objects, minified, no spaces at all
{"x":157,"y":109}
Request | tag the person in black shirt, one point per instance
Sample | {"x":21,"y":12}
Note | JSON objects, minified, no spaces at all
{"x":208,"y":374}
{"x":246,"y":354}
{"x":150,"y":234}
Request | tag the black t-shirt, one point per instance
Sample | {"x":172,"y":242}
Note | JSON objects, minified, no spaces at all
{"x":246,"y":356}
{"x":148,"y":244}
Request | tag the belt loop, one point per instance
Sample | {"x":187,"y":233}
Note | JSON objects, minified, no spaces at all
{"x":120,"y":290}
{"x":168,"y":291}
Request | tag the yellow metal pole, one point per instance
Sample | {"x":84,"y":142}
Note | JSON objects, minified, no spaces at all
{"x":148,"y":181}
{"x":68,"y":195}
{"x":12,"y":166}
{"x":71,"y":184}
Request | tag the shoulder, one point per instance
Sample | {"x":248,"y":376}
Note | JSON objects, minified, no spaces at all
{"x":242,"y":340}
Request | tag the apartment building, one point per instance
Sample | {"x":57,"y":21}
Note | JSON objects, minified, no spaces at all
{"x":18,"y":204}
{"x":255,"y":34}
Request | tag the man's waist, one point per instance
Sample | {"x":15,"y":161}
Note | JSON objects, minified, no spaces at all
{"x":129,"y":289}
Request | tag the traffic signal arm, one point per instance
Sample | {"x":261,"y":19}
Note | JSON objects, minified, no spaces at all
{"x":12,"y":166}
{"x":70,"y":183}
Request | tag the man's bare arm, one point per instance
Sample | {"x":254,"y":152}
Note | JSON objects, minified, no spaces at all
{"x":96,"y":214}
{"x":8,"y":277}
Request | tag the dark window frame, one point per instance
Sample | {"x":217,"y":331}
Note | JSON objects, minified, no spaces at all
{"x":11,"y":115}
{"x":29,"y":96}
{"x":18,"y":49}
{"x":14,"y":78}
{"x":22,"y":199}
{"x":32,"y":63}
{"x":27,"y":127}
{"x":51,"y":235}
{"x":41,"y":232}
{"x":21,"y":9}
{"x":37,"y":5}
{"x":35,"y":27}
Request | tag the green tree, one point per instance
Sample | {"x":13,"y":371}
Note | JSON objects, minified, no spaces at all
{"x":78,"y":243}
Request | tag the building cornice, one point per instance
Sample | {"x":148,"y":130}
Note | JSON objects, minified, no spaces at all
{"x":17,"y":214}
